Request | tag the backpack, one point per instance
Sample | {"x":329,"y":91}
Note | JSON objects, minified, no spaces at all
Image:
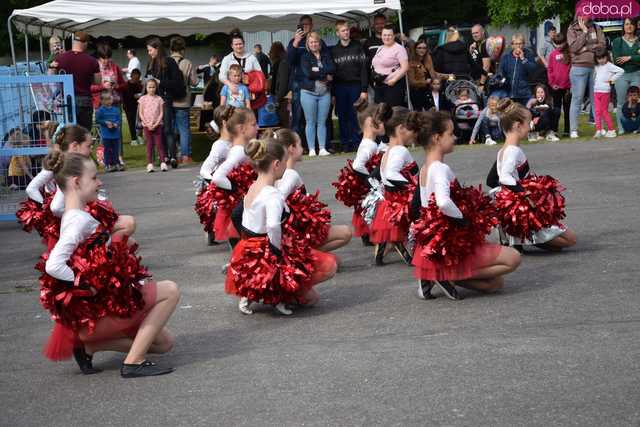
{"x":180,"y":91}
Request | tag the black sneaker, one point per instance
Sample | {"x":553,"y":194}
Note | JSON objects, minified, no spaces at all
{"x":379,"y":253}
{"x":174,"y":163}
{"x":144,"y":369}
{"x":85,"y":361}
{"x":448,"y":289}
{"x":404,"y":253}
{"x":519,"y":248}
{"x":366,"y":241}
{"x":424,"y":289}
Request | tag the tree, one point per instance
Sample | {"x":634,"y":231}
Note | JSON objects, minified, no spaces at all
{"x":529,"y":12}
{"x":6,"y":7}
{"x":417,"y":13}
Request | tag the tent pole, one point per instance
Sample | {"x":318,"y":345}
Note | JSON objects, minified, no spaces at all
{"x":41,"y":47}
{"x":26,"y":46}
{"x":13,"y":49}
{"x":406,"y":80}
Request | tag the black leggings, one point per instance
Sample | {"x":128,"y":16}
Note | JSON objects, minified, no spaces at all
{"x":562,"y":102}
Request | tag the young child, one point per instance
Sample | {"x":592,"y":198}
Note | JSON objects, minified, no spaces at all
{"x":487,"y":126}
{"x":109,"y":119}
{"x":19,"y":172}
{"x":544,"y":117}
{"x":631,"y":111}
{"x":436,"y":99}
{"x":235,"y":93}
{"x":150,"y":111}
{"x":132,"y":93}
{"x":605,"y":74}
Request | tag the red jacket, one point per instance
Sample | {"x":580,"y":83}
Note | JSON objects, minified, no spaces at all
{"x":558,"y":71}
{"x":118,"y":90}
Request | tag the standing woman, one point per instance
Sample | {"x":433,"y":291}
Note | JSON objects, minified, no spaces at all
{"x":239,"y":56}
{"x":315,"y":95}
{"x":420,"y":73}
{"x":626,"y":54}
{"x":171,"y":86}
{"x":280,"y":81}
{"x":390,"y":65}
{"x":129,"y":318}
{"x":112,"y":78}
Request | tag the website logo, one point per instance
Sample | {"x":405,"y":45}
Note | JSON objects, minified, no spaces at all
{"x":608,"y":9}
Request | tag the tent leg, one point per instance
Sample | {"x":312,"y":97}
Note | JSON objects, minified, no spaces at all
{"x":26,"y":45}
{"x":41,"y":47}
{"x":406,"y":80}
{"x":13,"y":48}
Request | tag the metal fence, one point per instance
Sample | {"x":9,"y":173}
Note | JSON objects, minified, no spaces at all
{"x":31,"y":108}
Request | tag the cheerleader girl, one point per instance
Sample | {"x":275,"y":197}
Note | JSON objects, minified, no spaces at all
{"x":242,"y":127}
{"x":72,"y":139}
{"x":512,"y":166}
{"x":482,"y":269}
{"x":141,"y":333}
{"x":337,"y":235}
{"x":261,"y":266}
{"x":397,"y":171}
{"x":353,"y":181}
{"x":218,"y":154}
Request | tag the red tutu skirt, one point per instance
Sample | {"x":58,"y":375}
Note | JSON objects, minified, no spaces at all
{"x":63,"y":339}
{"x":483,"y":255}
{"x":222,"y":223}
{"x":385,"y":230}
{"x":360,"y":226}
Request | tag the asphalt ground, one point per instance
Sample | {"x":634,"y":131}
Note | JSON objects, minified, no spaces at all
{"x":558,"y":346}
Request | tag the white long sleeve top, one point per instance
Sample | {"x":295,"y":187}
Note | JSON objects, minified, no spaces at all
{"x":264,"y":216}
{"x":289,"y":182}
{"x":510,"y":158}
{"x":395,"y":160}
{"x":366,"y":150}
{"x":439,"y":178}
{"x":76,"y":227}
{"x":217,"y":155}
{"x":43,"y":180}
{"x":604,"y":76}
{"x":57,"y":204}
{"x":235,"y":158}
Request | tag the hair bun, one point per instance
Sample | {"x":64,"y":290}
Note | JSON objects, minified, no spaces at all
{"x":385,"y":111}
{"x":54,"y":161}
{"x":505,"y":105}
{"x":256,"y":149}
{"x":414,"y":121}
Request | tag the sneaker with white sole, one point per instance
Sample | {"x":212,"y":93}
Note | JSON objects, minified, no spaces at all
{"x":489,"y":141}
{"x":598,"y":134}
{"x":164,"y":167}
{"x":150,"y":168}
{"x":312,"y":153}
{"x":243,"y":306}
{"x":573,"y":134}
{"x":448,"y":289}
{"x":324,"y":152}
{"x":610,"y":134}
{"x":552,"y":137}
{"x":282,"y":309}
{"x":424,"y":289}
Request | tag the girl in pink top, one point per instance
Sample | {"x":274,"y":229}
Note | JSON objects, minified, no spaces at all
{"x":558,"y":68}
{"x":150,"y":113}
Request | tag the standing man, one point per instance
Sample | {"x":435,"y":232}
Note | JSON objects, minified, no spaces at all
{"x":209,"y":70}
{"x":263,"y":60}
{"x":134,"y":63}
{"x":297,"y":46}
{"x":482,"y":65}
{"x":351,"y":81}
{"x":372,"y":44}
{"x":182,"y":106}
{"x":85,"y":71}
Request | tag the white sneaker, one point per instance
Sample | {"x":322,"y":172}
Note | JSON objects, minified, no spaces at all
{"x":489,"y":141}
{"x":243,"y":306}
{"x":610,"y":134}
{"x":324,"y":152}
{"x":150,"y":168}
{"x":598,"y":134}
{"x":163,"y":167}
{"x":312,"y":153}
{"x":282,"y":309}
{"x":573,"y":134}
{"x":551,"y":137}
{"x":533,"y":136}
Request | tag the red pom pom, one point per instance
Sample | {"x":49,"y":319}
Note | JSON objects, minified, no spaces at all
{"x":107,"y":282}
{"x":374,"y":162}
{"x":351,"y":189}
{"x":310,"y":218}
{"x":104,"y":213}
{"x":541,"y":205}
{"x":445,"y":242}
{"x":35,"y":216}
{"x":214,"y":198}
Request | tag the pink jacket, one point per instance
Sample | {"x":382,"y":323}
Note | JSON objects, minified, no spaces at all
{"x":558,"y":71}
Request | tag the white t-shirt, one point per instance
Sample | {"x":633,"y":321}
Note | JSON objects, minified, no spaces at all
{"x":134,"y":63}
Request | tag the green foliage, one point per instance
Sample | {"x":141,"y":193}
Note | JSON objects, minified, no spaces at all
{"x":6,"y":7}
{"x":416,"y":13}
{"x":529,"y":12}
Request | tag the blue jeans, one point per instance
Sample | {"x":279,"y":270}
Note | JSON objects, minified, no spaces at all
{"x":316,"y":110}
{"x":622,"y":85}
{"x":346,"y":94}
{"x":581,"y":81}
{"x":111,"y":151}
{"x":628,"y":125}
{"x":181,"y":123}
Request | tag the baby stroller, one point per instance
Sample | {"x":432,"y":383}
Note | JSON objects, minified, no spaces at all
{"x":465,"y":111}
